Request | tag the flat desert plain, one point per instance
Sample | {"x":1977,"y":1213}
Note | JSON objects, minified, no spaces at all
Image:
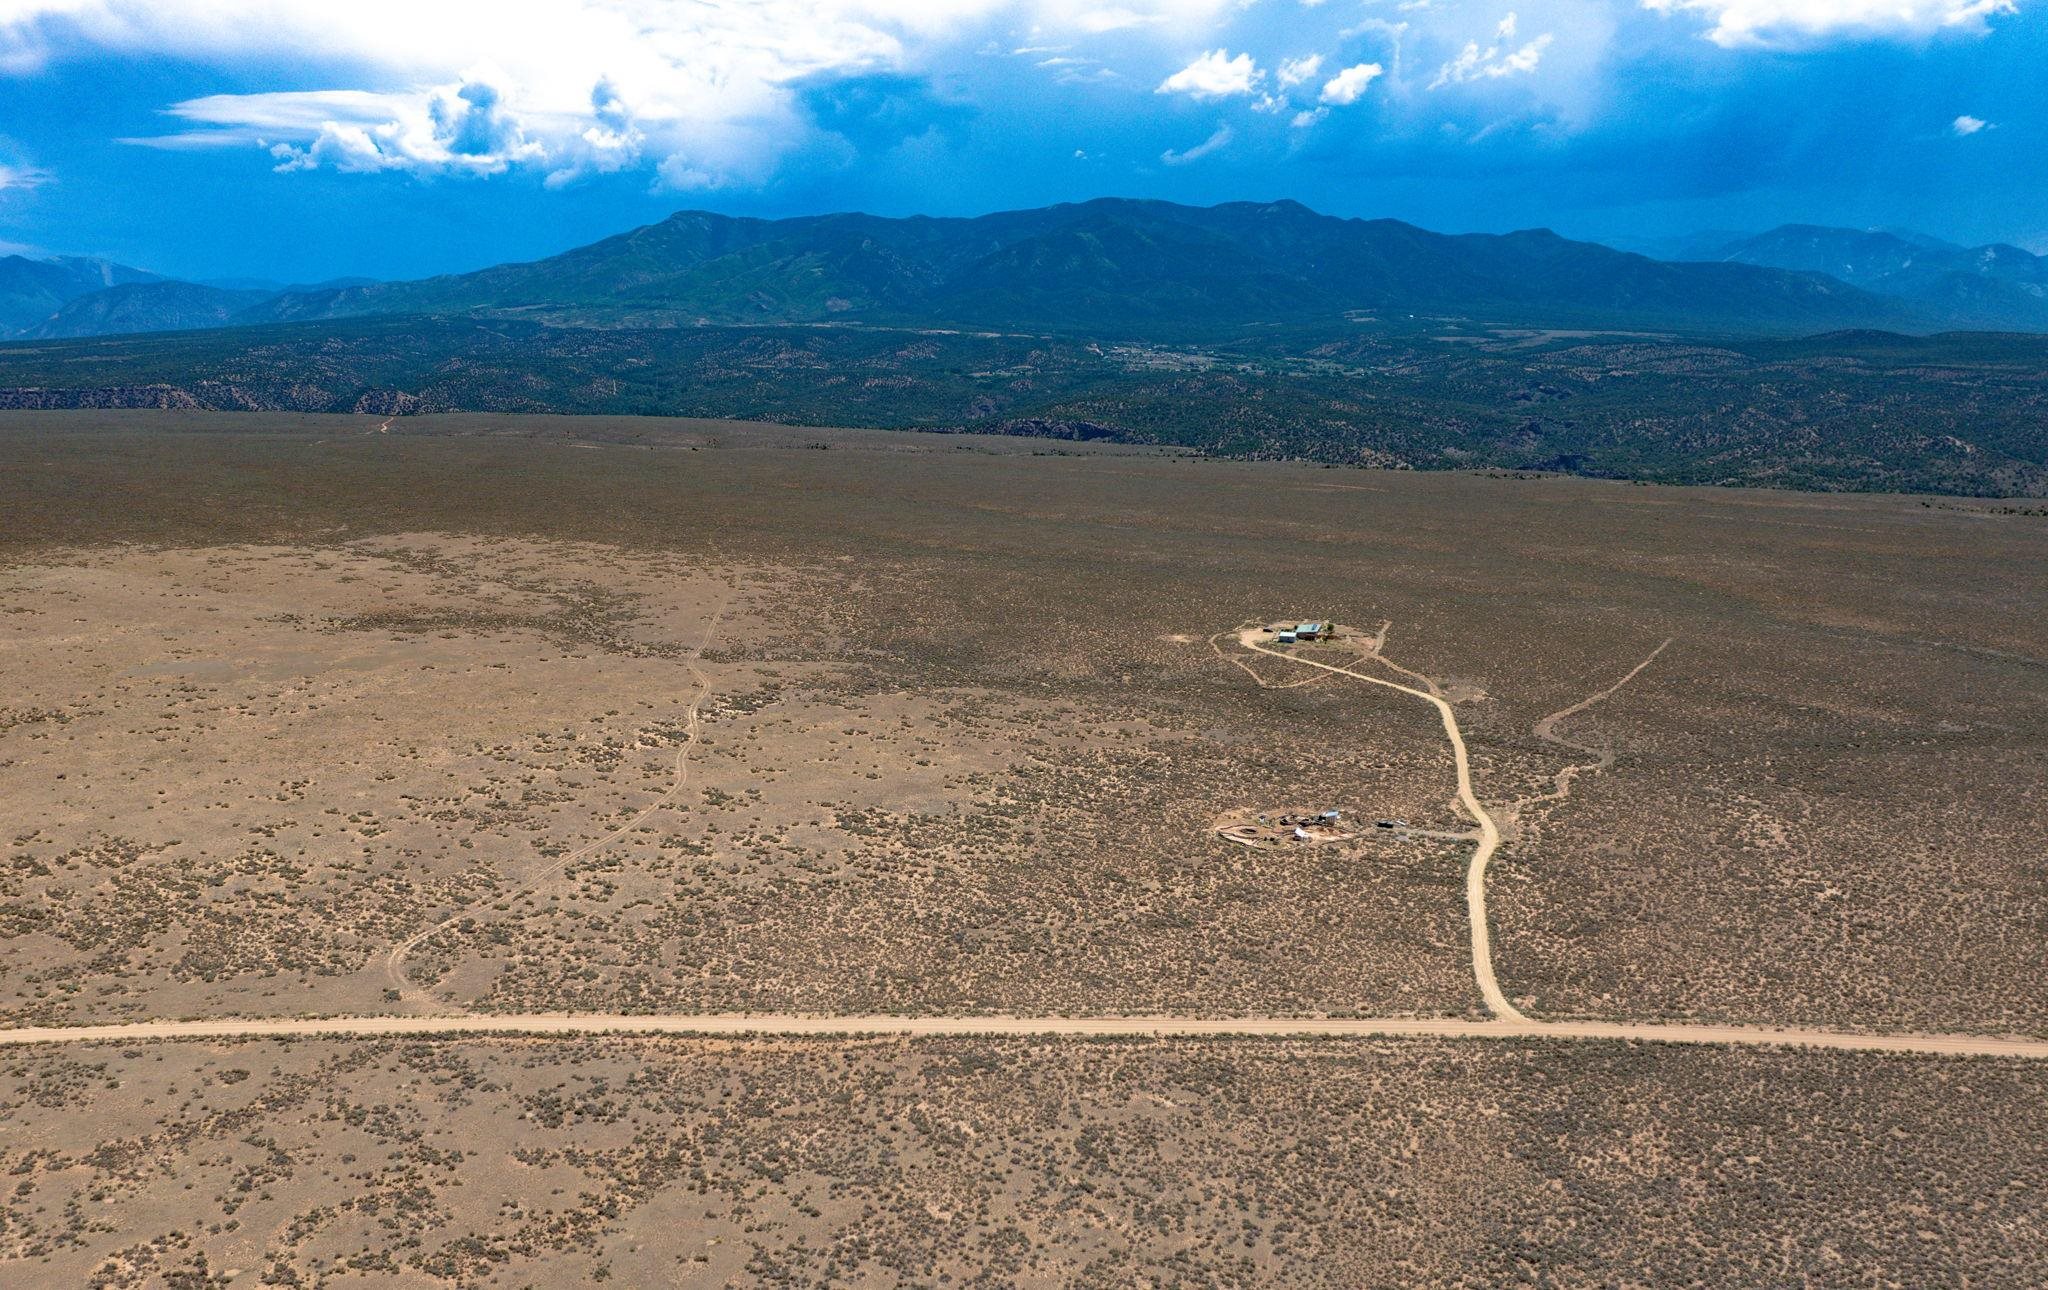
{"x":319,"y":722}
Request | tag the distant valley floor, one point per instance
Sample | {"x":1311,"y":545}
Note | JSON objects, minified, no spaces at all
{"x":1962,"y":413}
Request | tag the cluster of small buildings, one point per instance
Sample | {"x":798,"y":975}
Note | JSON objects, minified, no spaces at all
{"x":1277,"y":828}
{"x":1300,"y":632}
{"x":1321,"y":819}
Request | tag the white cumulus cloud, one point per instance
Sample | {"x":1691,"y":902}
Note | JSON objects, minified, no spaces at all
{"x":465,"y":127}
{"x":701,"y":91}
{"x":1297,"y":70}
{"x":1790,"y":22}
{"x":1491,"y":63}
{"x":1967,"y":125}
{"x":1345,"y":87}
{"x":1215,"y":75}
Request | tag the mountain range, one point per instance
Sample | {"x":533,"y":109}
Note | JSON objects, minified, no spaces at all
{"x":1110,"y":268}
{"x":1994,"y":285}
{"x":32,"y":290}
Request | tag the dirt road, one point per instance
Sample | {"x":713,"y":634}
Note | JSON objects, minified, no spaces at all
{"x":1128,"y":1027}
{"x":1489,"y":832}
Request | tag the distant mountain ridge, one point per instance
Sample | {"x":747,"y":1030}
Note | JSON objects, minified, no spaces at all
{"x":1108,"y":266}
{"x":145,"y":307}
{"x":32,"y":290}
{"x":1995,"y":285}
{"x":76,"y":296}
{"x":1114,"y":268}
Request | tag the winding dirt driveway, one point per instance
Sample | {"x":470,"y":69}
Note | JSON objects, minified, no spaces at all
{"x":1488,"y":836}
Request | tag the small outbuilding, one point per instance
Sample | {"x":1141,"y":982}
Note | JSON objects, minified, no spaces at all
{"x":1309,"y":631}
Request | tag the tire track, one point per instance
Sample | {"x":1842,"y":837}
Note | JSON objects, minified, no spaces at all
{"x":394,"y":962}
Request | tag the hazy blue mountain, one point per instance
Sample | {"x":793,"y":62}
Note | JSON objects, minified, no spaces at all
{"x":268,"y":286}
{"x":272,"y":287}
{"x":1108,"y":267}
{"x":1994,"y":286}
{"x":32,"y":290}
{"x":145,"y":307}
{"x":1706,"y":244}
{"x":1877,"y":258}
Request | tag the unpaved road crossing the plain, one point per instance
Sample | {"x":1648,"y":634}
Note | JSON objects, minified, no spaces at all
{"x":791,"y":1025}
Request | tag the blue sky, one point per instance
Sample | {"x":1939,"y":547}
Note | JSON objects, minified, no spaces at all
{"x":297,"y":140}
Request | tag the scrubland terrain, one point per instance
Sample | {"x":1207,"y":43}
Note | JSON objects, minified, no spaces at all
{"x":276,"y":749}
{"x":675,"y":717}
{"x":1852,"y":412}
{"x":1012,"y":1162}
